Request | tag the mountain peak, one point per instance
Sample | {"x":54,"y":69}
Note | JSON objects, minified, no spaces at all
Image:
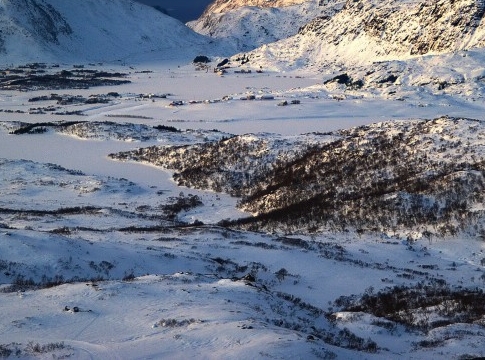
{"x":248,"y":24}
{"x":222,"y":6}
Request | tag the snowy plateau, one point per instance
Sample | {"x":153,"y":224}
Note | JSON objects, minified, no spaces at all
{"x":312,"y":187}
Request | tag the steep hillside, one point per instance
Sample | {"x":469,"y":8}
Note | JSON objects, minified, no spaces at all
{"x":221,"y":6}
{"x":414,"y":177}
{"x":97,"y":30}
{"x":364,"y":32}
{"x":396,"y":28}
{"x":249,"y":24}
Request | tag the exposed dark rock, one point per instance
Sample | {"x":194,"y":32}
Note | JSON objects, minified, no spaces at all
{"x":201,"y":59}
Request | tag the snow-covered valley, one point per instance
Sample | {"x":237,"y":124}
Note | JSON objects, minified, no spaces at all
{"x":317,"y":197}
{"x":147,"y":265}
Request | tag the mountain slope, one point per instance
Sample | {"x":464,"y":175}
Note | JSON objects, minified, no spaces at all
{"x":221,"y":6}
{"x":97,"y":30}
{"x":403,"y":28}
{"x":249,"y":24}
{"x":364,"y":32}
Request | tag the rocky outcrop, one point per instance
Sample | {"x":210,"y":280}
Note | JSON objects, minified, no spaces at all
{"x":398,"y":28}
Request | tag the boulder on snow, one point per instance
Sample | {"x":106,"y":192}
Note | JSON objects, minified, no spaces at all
{"x":201,"y":59}
{"x":223,"y":63}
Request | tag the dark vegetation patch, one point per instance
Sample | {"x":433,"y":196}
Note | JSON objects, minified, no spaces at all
{"x":167,"y":128}
{"x":341,"y":338}
{"x":34,"y":349}
{"x":66,"y":99}
{"x":179,"y":204}
{"x":77,"y":210}
{"x":42,"y":127}
{"x":422,"y":307}
{"x":9,"y":111}
{"x":27,"y":80}
{"x":127,"y":116}
{"x":104,"y":266}
{"x":21,"y":283}
{"x":420,"y":176}
{"x":295,"y":242}
{"x":170,"y":225}
{"x":258,"y":244}
{"x":174,"y":323}
{"x":95,"y":129}
{"x":217,"y":162}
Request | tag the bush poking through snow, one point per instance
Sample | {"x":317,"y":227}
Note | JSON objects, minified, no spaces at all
{"x":181,"y":203}
{"x":201,"y":59}
{"x":36,"y":348}
{"x":5,"y":352}
{"x":423,"y":307}
{"x":129,"y":276}
{"x":173,"y":323}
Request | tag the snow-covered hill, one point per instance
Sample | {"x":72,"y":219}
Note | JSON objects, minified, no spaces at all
{"x":247,"y":25}
{"x":421,"y":177}
{"x":342,"y":34}
{"x":78,"y":250}
{"x":110,"y":259}
{"x":221,"y":6}
{"x":91,"y":30}
{"x":382,"y":30}
{"x":365,"y":32}
{"x":93,"y":267}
